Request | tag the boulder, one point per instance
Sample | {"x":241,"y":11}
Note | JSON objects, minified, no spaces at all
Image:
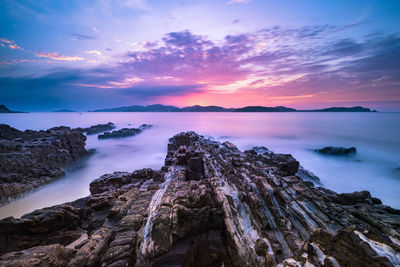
{"x":98,"y":128}
{"x":124,"y":132}
{"x":337,"y":151}
{"x":31,"y":159}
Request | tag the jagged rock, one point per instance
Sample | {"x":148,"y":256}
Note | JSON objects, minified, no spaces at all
{"x":95,"y":129}
{"x":237,"y":209}
{"x":337,"y":151}
{"x":124,"y":132}
{"x":52,"y":255}
{"x":307,"y":175}
{"x":261,"y":150}
{"x":59,"y":224}
{"x":30,"y":159}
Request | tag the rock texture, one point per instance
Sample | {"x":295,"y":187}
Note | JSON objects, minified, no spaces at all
{"x":211,"y":205}
{"x":30,"y":159}
{"x":307,"y":175}
{"x":337,"y":151}
{"x":124,"y":132}
{"x":98,"y":128}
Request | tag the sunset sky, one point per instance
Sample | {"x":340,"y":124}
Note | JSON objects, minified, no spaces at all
{"x":85,"y":55}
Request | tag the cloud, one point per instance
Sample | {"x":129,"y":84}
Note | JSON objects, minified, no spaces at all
{"x":15,"y":47}
{"x":78,"y":36}
{"x":345,"y":47}
{"x":57,"y":56}
{"x":11,"y":44}
{"x":238,"y":1}
{"x":276,"y":65}
{"x":162,"y":90}
{"x":275,"y":62}
{"x":94,"y":52}
{"x":137,"y":4}
{"x":81,"y":88}
{"x":4,"y":40}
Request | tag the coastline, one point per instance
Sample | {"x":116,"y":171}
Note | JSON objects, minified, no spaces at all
{"x":203,"y":178}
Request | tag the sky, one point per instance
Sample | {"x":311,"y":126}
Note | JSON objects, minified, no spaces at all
{"x":86,"y":55}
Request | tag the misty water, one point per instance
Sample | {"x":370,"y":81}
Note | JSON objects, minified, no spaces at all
{"x":374,"y":168}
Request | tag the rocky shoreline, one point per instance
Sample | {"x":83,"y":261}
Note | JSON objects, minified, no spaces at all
{"x":124,"y":132}
{"x":98,"y":128}
{"x":210,"y":205}
{"x":31,"y":159}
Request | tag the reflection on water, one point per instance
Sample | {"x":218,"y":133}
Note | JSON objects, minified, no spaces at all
{"x":374,"y":134}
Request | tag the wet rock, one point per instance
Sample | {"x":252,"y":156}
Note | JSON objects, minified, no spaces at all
{"x":337,"y":151}
{"x":124,"y":132}
{"x":31,"y":159}
{"x":346,"y":248}
{"x":307,"y":175}
{"x":354,"y":198}
{"x":95,"y":129}
{"x":52,"y":255}
{"x":261,"y":150}
{"x":195,"y":168}
{"x":8,"y":133}
{"x":59,"y":224}
{"x":214,"y":205}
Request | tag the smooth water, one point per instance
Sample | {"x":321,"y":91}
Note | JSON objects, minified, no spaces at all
{"x":375,"y":135}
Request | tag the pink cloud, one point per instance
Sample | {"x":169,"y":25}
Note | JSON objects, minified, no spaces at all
{"x":15,"y":46}
{"x":57,"y":56}
{"x":4,"y":40}
{"x":11,"y":44}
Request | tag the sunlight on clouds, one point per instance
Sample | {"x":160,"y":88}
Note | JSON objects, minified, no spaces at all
{"x":125,"y":83}
{"x":15,"y":46}
{"x":11,"y":44}
{"x":56,"y":56}
{"x":4,"y":40}
{"x":94,"y":52}
{"x":269,"y":57}
{"x":167,"y":78}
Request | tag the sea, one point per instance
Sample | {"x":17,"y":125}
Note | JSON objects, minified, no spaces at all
{"x":375,"y":167}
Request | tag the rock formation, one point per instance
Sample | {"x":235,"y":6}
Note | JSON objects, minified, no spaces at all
{"x":95,"y":129}
{"x":337,"y":151}
{"x":307,"y":175}
{"x":210,"y":205}
{"x":30,"y":159}
{"x":124,"y":132}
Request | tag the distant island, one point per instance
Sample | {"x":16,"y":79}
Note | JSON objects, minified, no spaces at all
{"x":4,"y":109}
{"x":64,"y":110}
{"x":198,"y":108}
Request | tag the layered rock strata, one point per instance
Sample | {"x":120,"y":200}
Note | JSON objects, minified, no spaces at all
{"x":210,"y":205}
{"x":30,"y":159}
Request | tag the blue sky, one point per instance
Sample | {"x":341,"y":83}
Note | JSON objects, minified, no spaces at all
{"x":84,"y":55}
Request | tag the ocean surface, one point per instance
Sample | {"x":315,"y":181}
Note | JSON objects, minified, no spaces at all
{"x":376,"y":167}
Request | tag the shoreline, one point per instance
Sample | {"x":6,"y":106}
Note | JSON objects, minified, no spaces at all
{"x":203,"y":178}
{"x":323,"y":160}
